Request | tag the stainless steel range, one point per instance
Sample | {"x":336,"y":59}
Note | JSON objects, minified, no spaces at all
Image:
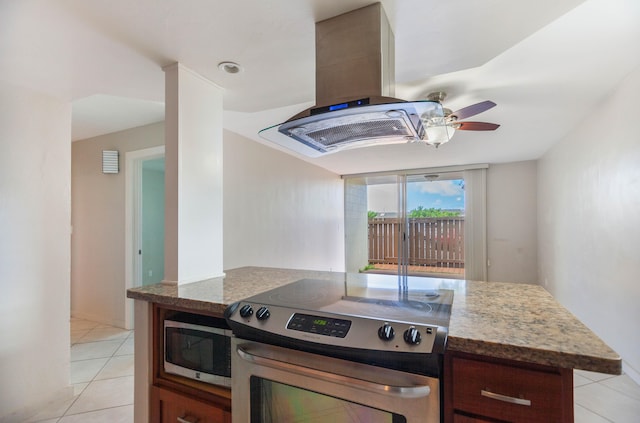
{"x":367,"y":349}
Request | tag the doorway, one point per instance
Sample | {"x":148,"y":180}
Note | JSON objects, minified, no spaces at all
{"x":151,"y":245}
{"x":465,"y":185}
{"x":426,"y":210}
{"x":144,"y":226}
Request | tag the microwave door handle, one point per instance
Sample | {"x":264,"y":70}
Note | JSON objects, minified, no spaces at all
{"x":397,"y":391}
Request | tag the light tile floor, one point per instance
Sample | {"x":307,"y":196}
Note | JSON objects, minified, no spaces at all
{"x":102,"y":378}
{"x":601,"y":398}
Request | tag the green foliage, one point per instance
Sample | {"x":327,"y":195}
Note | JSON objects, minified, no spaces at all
{"x":367,"y":267}
{"x":432,"y":212}
{"x":372,"y":214}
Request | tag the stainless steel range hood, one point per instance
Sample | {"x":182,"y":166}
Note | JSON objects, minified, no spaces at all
{"x":355,"y":88}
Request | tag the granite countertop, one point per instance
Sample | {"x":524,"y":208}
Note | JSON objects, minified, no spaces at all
{"x":513,"y":321}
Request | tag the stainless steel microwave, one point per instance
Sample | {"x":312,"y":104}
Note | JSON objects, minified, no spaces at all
{"x":199,"y":348}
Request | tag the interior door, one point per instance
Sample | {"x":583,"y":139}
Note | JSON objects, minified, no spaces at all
{"x":151,"y":244}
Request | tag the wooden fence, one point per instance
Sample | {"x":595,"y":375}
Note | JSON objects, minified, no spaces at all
{"x":437,"y":241}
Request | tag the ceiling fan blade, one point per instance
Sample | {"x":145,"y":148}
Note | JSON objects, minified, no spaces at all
{"x":472,"y":110}
{"x":476,"y":126}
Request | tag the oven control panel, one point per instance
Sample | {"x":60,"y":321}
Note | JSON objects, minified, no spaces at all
{"x":326,"y":326}
{"x":255,"y":320}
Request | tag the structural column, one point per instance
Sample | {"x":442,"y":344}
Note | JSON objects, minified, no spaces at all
{"x":193,"y":176}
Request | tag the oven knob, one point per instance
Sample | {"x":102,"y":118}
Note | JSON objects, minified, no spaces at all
{"x":412,"y":336}
{"x":246,"y":310}
{"x":386,"y":332}
{"x":263,"y":313}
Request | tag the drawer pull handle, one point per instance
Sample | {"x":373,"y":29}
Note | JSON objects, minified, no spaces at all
{"x":505,"y":398}
{"x":185,"y":420}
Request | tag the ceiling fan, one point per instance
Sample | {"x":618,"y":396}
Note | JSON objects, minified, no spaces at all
{"x":440,"y":129}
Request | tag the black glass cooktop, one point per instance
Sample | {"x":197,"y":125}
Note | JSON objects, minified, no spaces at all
{"x":391,"y":302}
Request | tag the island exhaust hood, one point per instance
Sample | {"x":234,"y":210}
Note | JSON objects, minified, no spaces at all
{"x":355,"y":104}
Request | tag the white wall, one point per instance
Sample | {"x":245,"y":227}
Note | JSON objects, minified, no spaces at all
{"x":35,"y":138}
{"x":589,"y":222}
{"x":98,"y":219}
{"x":280,"y":211}
{"x":512,"y":239}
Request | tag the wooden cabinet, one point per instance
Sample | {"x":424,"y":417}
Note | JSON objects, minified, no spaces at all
{"x":168,"y":406}
{"x":460,"y":418}
{"x":481,"y":389}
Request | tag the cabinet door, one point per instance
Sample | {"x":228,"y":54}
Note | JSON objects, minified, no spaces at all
{"x":171,"y":407}
{"x":509,"y":393}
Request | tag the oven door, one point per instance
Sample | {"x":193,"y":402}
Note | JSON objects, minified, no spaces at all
{"x":273,"y":384}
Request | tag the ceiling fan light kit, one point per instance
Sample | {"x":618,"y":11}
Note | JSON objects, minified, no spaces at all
{"x":451,"y":121}
{"x":438,"y":131}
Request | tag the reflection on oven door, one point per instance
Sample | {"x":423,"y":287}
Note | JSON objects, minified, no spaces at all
{"x":273,"y":384}
{"x":274,"y":402}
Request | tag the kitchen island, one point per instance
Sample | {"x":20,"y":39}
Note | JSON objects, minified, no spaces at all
{"x":518,"y":324}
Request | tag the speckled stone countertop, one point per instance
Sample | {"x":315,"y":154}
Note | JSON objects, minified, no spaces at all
{"x":214,"y":295}
{"x":525,"y":323}
{"x":505,"y":320}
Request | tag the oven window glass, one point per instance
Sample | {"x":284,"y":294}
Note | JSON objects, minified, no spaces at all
{"x":273,"y":402}
{"x":198,"y":350}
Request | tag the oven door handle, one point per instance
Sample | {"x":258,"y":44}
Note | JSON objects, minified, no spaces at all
{"x":415,"y":391}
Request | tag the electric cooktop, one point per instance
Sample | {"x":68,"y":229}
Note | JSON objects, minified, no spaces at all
{"x":339,"y":316}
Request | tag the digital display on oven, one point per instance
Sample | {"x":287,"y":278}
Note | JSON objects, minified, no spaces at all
{"x":319,"y":325}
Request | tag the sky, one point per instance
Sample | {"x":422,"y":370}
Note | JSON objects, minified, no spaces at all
{"x":437,"y":194}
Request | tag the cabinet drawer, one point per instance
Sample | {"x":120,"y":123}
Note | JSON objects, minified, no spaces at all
{"x":506,"y":393}
{"x":458,"y":418}
{"x":168,"y":406}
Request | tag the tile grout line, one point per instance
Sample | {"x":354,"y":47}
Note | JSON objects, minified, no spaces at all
{"x":97,"y":409}
{"x":94,"y":377}
{"x":78,"y":396}
{"x":594,"y":412}
{"x":622,"y":393}
{"x":93,"y":411}
{"x":601,"y":385}
{"x":89,"y":383}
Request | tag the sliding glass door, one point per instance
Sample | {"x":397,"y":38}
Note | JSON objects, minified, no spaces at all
{"x":415,"y":224}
